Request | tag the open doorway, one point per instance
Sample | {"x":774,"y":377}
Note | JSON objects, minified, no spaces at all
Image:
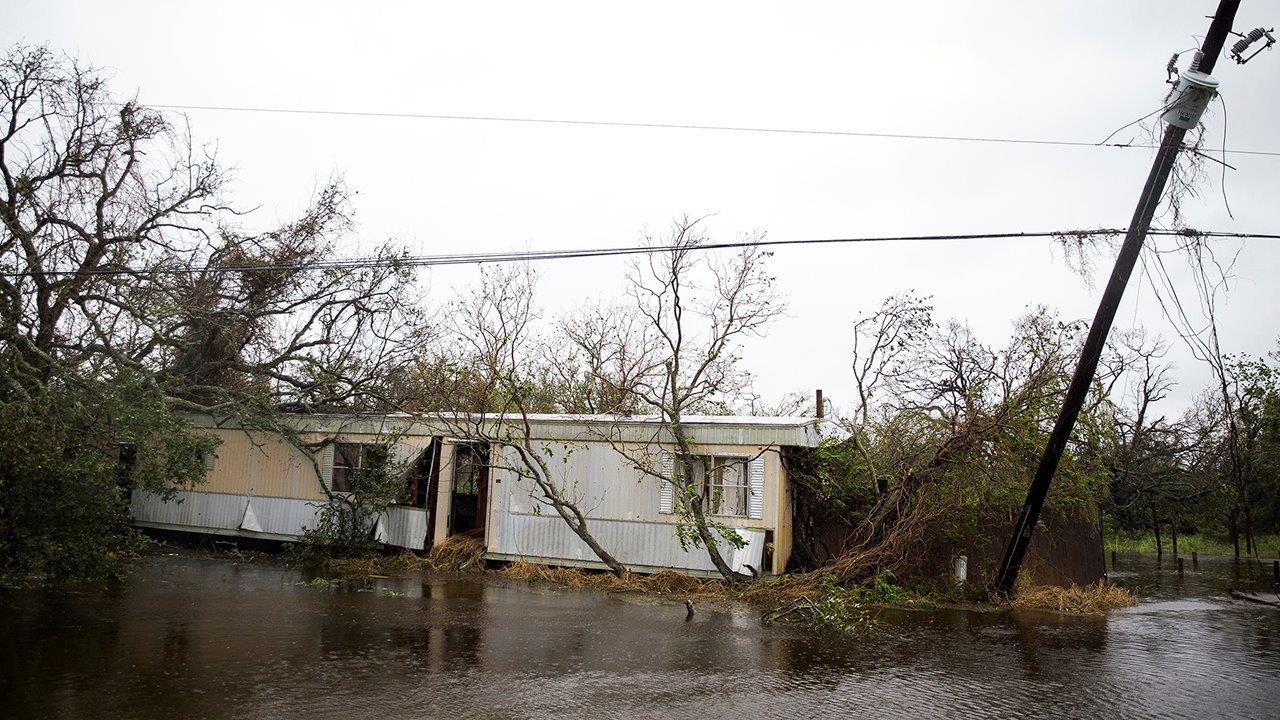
{"x":470,"y":489}
{"x":424,"y":477}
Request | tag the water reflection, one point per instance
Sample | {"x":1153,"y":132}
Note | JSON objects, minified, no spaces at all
{"x":193,"y":637}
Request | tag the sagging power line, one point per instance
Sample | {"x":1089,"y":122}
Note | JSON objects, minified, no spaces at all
{"x":566,"y":254}
{"x":680,"y":126}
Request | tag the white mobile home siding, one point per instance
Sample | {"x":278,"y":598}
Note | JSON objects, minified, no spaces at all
{"x":260,"y":486}
{"x":624,"y":512}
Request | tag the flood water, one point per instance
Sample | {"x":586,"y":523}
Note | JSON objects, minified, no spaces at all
{"x":206,"y":638}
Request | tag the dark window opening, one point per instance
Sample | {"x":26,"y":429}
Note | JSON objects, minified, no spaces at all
{"x":725,"y":484}
{"x":350,"y":460}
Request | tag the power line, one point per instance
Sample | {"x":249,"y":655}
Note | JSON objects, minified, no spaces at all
{"x":439,"y":260}
{"x":679,"y":126}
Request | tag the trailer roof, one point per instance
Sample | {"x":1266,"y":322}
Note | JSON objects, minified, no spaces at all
{"x":707,"y":429}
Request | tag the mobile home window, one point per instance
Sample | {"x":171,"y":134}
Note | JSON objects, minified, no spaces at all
{"x":349,"y":459}
{"x":726,"y":485}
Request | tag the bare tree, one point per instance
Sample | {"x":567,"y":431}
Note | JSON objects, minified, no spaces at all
{"x":596,"y":359}
{"x":882,"y":343}
{"x":1148,"y":455}
{"x":695,"y":311}
{"x":1211,"y":277}
{"x":489,"y":381}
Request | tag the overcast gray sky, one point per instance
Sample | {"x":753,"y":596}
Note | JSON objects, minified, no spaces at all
{"x":1058,"y":70}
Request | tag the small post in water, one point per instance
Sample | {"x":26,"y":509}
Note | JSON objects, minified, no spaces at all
{"x":1275,"y":569}
{"x":1113,"y":558}
{"x":1179,"y":566}
{"x":1195,"y":560}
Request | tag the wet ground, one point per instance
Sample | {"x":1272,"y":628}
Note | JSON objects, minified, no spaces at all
{"x":197,"y":637}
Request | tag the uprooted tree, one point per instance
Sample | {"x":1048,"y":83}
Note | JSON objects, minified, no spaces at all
{"x":131,"y":296}
{"x":944,"y":432}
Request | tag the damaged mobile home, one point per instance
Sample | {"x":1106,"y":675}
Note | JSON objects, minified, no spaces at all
{"x":261,"y":486}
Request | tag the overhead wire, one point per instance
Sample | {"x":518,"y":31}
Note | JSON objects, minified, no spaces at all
{"x":356,"y":263}
{"x":673,"y":126}
{"x":1225,"y":202}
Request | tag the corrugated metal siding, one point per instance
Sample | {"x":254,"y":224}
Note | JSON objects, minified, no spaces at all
{"x":199,"y":511}
{"x":405,"y":527}
{"x":593,"y":473}
{"x":548,"y":538}
{"x":606,"y":485}
{"x":402,"y":526}
{"x":623,"y":507}
{"x":260,"y":464}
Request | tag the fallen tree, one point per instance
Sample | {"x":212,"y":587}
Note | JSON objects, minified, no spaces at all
{"x":943,"y":456}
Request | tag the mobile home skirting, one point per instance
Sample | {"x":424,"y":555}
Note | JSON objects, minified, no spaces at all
{"x":270,"y":518}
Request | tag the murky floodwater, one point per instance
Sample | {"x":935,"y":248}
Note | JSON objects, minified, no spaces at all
{"x":204,"y":638}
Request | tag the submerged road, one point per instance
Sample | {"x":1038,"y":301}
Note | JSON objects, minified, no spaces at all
{"x":194,"y":637}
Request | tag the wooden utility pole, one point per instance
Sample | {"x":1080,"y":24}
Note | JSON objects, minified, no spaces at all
{"x":1096,"y":340}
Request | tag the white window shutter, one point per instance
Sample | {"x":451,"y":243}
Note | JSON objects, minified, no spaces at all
{"x":325,"y":460}
{"x":665,"y":466}
{"x":755,"y":501}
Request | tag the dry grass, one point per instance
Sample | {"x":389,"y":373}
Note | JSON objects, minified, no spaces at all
{"x":1089,"y":600}
{"x":664,"y":582}
{"x":455,"y":554}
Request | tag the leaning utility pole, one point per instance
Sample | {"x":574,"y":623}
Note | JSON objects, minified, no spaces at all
{"x":1192,"y":93}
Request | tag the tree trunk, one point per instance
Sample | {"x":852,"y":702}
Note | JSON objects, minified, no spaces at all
{"x":579,"y":527}
{"x":569,"y":511}
{"x":1155,"y":526}
{"x":1173,"y":530}
{"x":693,"y":501}
{"x":1234,"y":529}
{"x":1250,"y":544}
